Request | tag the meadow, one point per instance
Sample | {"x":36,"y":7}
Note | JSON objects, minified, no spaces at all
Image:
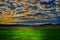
{"x":29,"y":33}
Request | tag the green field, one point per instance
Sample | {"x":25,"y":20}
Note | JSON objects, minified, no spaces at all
{"x":28,"y":33}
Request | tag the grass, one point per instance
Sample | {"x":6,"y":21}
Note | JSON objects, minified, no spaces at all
{"x":29,"y":33}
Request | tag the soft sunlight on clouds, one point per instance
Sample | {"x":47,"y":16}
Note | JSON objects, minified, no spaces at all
{"x":18,"y":10}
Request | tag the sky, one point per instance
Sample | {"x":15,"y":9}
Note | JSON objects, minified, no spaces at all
{"x":31,"y":11}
